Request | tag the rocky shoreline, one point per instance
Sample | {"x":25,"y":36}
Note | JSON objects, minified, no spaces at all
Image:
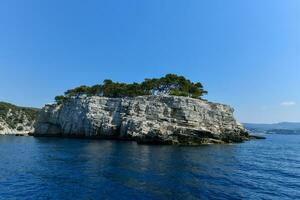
{"x":145,"y":119}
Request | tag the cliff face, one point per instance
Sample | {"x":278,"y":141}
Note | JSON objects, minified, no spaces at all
{"x":145,"y":119}
{"x":16,"y":120}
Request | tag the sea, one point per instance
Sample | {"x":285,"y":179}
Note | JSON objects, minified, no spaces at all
{"x":57,"y":168}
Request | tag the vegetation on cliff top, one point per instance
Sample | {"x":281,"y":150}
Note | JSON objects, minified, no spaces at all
{"x":171,"y":84}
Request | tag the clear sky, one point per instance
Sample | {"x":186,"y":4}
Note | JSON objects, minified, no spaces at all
{"x":246,"y":53}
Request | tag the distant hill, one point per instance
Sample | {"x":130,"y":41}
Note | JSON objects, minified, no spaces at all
{"x":283,"y":127}
{"x":15,"y":119}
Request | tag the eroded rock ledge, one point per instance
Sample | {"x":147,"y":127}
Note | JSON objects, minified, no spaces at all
{"x":145,"y":119}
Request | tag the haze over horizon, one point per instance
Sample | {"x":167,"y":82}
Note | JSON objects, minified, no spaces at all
{"x":246,"y":54}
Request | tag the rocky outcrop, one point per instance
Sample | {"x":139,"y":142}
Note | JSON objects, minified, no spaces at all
{"x":16,"y":120}
{"x":145,"y":119}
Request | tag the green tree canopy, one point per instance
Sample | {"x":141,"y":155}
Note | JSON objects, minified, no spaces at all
{"x":171,"y":84}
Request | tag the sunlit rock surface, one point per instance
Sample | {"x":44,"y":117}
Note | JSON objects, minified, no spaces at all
{"x":145,"y":119}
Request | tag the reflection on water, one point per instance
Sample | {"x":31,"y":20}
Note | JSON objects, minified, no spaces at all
{"x":48,"y":168}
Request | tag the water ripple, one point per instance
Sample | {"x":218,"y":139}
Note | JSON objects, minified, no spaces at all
{"x":44,"y":168}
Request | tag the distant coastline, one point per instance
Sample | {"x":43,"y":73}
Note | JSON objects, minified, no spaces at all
{"x":276,"y":128}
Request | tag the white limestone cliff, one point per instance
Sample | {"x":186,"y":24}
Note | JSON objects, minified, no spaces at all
{"x":145,"y":119}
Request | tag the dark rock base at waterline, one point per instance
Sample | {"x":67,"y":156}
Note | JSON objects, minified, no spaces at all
{"x":152,"y":141}
{"x":257,"y":137}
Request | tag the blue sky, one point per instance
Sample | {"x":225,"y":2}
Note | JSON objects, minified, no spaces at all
{"x":246,"y":53}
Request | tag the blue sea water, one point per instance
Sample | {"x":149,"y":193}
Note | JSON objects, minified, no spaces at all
{"x":52,"y":168}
